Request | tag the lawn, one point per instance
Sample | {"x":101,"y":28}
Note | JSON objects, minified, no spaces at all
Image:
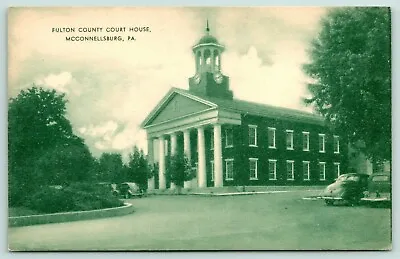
{"x":21,"y":211}
{"x":281,"y":221}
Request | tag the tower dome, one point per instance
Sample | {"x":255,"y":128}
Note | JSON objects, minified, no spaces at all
{"x":208,"y":53}
{"x":208,"y":39}
{"x":208,"y":79}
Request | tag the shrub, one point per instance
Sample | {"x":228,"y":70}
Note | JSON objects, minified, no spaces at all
{"x":75,"y":197}
{"x":50,"y":200}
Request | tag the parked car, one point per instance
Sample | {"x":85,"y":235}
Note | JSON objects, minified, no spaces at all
{"x":379,"y":189}
{"x":347,"y":188}
{"x":128,"y":189}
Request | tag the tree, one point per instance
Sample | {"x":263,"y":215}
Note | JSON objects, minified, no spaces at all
{"x":179,"y":170}
{"x":64,"y":165}
{"x":139,"y":169}
{"x":38,"y":130}
{"x":36,"y":123}
{"x":350,"y":70}
{"x":111,"y":168}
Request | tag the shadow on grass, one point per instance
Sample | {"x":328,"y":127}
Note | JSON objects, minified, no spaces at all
{"x":377,"y":205}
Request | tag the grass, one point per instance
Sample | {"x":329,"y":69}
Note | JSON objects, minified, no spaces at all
{"x":280,"y":221}
{"x":21,"y":211}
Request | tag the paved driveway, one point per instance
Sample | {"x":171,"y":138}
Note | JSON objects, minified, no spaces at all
{"x":278,"y":221}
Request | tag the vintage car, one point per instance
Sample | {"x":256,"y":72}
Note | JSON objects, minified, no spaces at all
{"x":379,"y":189}
{"x":348,"y":188}
{"x":128,"y":190}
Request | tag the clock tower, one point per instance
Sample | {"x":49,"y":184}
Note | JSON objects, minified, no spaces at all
{"x":208,"y":79}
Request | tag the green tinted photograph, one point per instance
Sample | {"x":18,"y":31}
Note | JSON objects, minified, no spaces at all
{"x":199,"y":128}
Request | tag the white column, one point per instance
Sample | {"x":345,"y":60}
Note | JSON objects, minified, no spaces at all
{"x":150,"y":159}
{"x":173,"y":143}
{"x":173,"y":152}
{"x":218,"y":174}
{"x":187,"y":151}
{"x":201,"y":172}
{"x":161,"y":164}
{"x":186,"y":143}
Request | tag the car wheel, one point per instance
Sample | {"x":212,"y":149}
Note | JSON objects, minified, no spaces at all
{"x":329,"y":202}
{"x":354,"y":201}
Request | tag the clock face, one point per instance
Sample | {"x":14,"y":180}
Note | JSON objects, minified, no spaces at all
{"x":218,"y":77}
{"x":196,"y":78}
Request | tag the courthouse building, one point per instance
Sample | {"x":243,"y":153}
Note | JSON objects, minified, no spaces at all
{"x":237,"y":142}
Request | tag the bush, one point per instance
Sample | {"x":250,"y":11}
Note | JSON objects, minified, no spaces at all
{"x":89,"y":188}
{"x":76,"y":197}
{"x":50,"y":200}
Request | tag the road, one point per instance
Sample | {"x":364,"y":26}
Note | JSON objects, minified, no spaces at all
{"x":280,"y":221}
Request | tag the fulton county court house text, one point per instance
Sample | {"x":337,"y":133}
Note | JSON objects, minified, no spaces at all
{"x":100,"y":30}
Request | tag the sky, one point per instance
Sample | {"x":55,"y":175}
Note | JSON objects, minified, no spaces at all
{"x":112,"y":86}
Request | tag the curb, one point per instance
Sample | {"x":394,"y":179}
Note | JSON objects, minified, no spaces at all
{"x":69,"y":216}
{"x":236,"y":193}
{"x":231,"y":193}
{"x":312,"y":198}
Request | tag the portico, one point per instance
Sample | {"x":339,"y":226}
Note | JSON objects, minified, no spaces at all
{"x":188,"y":133}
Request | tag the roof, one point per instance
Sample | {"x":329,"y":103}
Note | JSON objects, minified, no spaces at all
{"x":238,"y":106}
{"x":208,"y":39}
{"x":258,"y":109}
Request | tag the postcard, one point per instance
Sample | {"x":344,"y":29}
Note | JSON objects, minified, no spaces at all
{"x":199,"y":128}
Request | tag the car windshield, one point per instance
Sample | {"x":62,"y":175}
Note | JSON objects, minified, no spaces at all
{"x":380,"y":178}
{"x":348,"y":178}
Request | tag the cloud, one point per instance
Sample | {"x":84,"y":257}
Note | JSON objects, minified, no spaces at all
{"x":100,"y":146}
{"x":104,"y":130}
{"x":253,"y":80}
{"x":127,"y":138}
{"x":113,"y":137}
{"x":58,"y":82}
{"x":62,"y":82}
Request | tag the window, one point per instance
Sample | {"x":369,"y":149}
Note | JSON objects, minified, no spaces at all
{"x":229,"y":169}
{"x":253,"y":168}
{"x":337,"y":169}
{"x":212,"y":170}
{"x":290,"y":169}
{"x":322,"y":171}
{"x":228,"y":137}
{"x":271,"y":138}
{"x":207,"y":56}
{"x":289,"y":139}
{"x":321,"y":138}
{"x":336,"y":144}
{"x":211,"y":140}
{"x":306,"y":170}
{"x":252,"y":135}
{"x":306,"y":141}
{"x":271,"y":169}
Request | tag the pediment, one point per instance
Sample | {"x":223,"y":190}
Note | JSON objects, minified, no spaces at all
{"x":176,"y":104}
